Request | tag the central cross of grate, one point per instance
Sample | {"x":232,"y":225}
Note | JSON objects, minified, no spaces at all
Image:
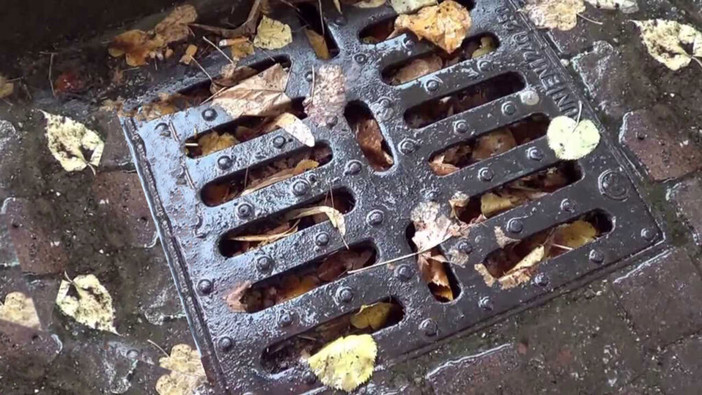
{"x":528,"y":85}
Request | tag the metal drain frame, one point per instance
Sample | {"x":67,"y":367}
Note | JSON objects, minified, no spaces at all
{"x":232,"y":343}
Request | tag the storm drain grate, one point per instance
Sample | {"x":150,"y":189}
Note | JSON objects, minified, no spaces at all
{"x":524,"y":84}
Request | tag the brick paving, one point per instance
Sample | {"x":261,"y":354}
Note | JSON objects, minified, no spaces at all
{"x":637,"y":331}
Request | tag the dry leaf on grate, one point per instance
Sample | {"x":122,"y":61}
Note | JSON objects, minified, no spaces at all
{"x":445,"y":25}
{"x":554,"y":14}
{"x":328,"y":98}
{"x":571,"y":140}
{"x":259,"y":95}
{"x":345,"y":363}
{"x":272,"y":34}
{"x":374,"y":316}
{"x":417,"y":68}
{"x":187,"y":372}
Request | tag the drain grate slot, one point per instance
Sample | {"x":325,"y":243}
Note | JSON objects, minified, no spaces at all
{"x":436,"y":272}
{"x":286,"y":354}
{"x":527,"y":254}
{"x":289,"y":285}
{"x":462,"y":100}
{"x":418,"y":66}
{"x":285,"y":224}
{"x":317,"y":31}
{"x":368,"y":135}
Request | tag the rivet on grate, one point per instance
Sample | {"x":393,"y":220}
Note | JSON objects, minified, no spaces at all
{"x":375,"y":217}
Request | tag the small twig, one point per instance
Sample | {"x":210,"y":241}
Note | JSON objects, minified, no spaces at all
{"x":202,"y":68}
{"x":51,"y":79}
{"x":577,"y":120}
{"x":321,"y":15}
{"x":157,"y":346}
{"x":590,"y":20}
{"x":390,"y":261}
{"x":220,"y":50}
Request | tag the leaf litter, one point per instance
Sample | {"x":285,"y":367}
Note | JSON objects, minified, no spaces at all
{"x":70,"y":142}
{"x":445,"y":25}
{"x":345,"y":363}
{"x":272,"y":34}
{"x":327,"y":100}
{"x":187,"y":372}
{"x":19,"y":309}
{"x":87,"y":301}
{"x":570,"y":139}
{"x":6,"y":87}
{"x":665,"y":41}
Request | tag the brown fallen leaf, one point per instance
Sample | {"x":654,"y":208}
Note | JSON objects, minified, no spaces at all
{"x":409,"y":6}
{"x":575,"y":234}
{"x":318,"y":43}
{"x":213,"y":142}
{"x":440,"y":167}
{"x":445,"y":25}
{"x":259,"y":95}
{"x":234,"y":298}
{"x":335,"y":216}
{"x":294,"y":286}
{"x":6,"y":87}
{"x":524,"y":270}
{"x":338,"y":264}
{"x":433,"y":228}
{"x":432,"y":268}
{"x":189,"y":54}
{"x":495,"y":143}
{"x":328,"y":98}
{"x":374,"y":316}
{"x":370,"y":139}
{"x":492,"y":204}
{"x":296,"y":128}
{"x":417,"y":68}
{"x":174,"y":27}
{"x":458,"y":201}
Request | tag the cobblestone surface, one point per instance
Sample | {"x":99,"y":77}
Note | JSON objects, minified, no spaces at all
{"x":633,"y":332}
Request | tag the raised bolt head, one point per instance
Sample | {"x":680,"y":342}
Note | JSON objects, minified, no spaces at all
{"x":648,"y":233}
{"x":613,"y":185}
{"x":340,"y":21}
{"x":278,"y":141}
{"x":264,"y":263}
{"x":224,"y":162}
{"x":225,"y":344}
{"x":596,"y":256}
{"x":162,"y":129}
{"x":309,"y":378}
{"x":353,"y":167}
{"x":309,"y":76}
{"x":509,"y":108}
{"x":485,"y":174}
{"x":300,"y":187}
{"x":432,"y":85}
{"x":321,"y":239}
{"x":403,"y":272}
{"x":465,"y":247}
{"x":535,"y":154}
{"x":433,"y":196}
{"x":286,"y":319}
{"x":244,"y":210}
{"x":529,"y":97}
{"x":460,"y":127}
{"x":360,"y":58}
{"x":429,"y":327}
{"x":204,"y":286}
{"x":375,"y":217}
{"x":345,"y":295}
{"x":385,"y":103}
{"x":515,"y":226}
{"x":568,"y":205}
{"x":209,"y":115}
{"x":485,"y":303}
{"x":133,"y":354}
{"x":541,"y":280}
{"x":407,"y":146}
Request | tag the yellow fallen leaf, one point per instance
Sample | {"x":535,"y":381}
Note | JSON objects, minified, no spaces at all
{"x":187,"y":372}
{"x":68,"y":140}
{"x":571,"y":140}
{"x":334,"y":215}
{"x":374,"y":316}
{"x":213,"y":142}
{"x":492,"y":204}
{"x":259,"y":95}
{"x":136,"y":45}
{"x":241,"y":47}
{"x":554,"y":14}
{"x":369,"y":3}
{"x":272,"y":34}
{"x":418,"y":68}
{"x":92,"y":306}
{"x":345,"y":363}
{"x":487,"y":45}
{"x":576,"y":234}
{"x":189,"y":53}
{"x":664,"y":41}
{"x":295,"y":127}
{"x":444,"y":25}
{"x":19,"y":309}
{"x":318,"y":43}
{"x":409,"y":6}
{"x":524,"y":270}
{"x":6,"y":88}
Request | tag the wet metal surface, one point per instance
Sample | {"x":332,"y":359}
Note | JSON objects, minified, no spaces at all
{"x":232,"y":343}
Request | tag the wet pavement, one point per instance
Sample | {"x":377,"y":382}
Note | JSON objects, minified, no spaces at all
{"x":635,"y":331}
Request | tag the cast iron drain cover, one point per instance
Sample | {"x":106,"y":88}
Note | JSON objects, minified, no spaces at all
{"x":232,"y":343}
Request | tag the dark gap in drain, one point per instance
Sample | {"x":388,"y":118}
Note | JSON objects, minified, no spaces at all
{"x":418,"y":66}
{"x":516,"y":263}
{"x":516,"y":193}
{"x":289,"y":352}
{"x":369,"y":136}
{"x":378,"y":32}
{"x":263,"y":175}
{"x":304,"y":278}
{"x":238,"y":131}
{"x":269,"y":230}
{"x":318,"y":35}
{"x":434,"y":110}
{"x":435,"y":270}
{"x":495,"y":142}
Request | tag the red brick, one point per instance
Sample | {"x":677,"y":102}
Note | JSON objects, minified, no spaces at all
{"x":121,"y":198}
{"x":663,"y":297}
{"x":686,"y":196}
{"x":37,"y":243}
{"x":664,"y":150}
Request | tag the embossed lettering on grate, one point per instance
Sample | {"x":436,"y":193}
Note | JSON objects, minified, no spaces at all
{"x":530,"y":84}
